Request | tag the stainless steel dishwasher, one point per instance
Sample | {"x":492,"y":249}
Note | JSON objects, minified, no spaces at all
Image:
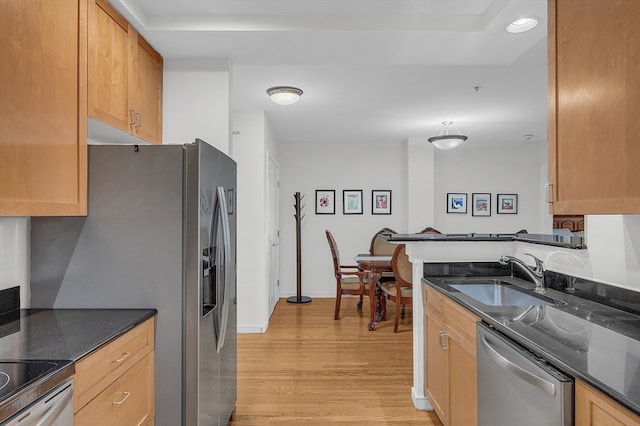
{"x":517,"y":388}
{"x":55,"y":408}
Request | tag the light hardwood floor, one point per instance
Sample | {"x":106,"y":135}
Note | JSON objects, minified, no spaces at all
{"x":310,"y":369}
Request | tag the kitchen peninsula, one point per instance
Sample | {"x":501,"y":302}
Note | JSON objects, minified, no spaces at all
{"x":474,"y":247}
{"x":567,"y":263}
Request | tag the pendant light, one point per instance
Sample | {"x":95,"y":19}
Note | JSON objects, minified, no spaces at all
{"x":284,"y":95}
{"x":445,"y":140}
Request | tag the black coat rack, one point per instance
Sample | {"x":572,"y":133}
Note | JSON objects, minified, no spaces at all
{"x":298,"y":298}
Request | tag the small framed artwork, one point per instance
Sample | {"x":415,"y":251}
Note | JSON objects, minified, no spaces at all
{"x":480,"y":204}
{"x":457,"y":202}
{"x":325,"y":201}
{"x":507,"y":203}
{"x":380,"y":202}
{"x":352,"y":201}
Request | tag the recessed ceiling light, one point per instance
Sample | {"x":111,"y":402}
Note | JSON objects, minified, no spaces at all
{"x":284,"y":95}
{"x":522,"y":25}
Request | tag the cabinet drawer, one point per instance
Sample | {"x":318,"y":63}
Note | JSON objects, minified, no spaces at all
{"x":98,"y":370}
{"x":127,"y":401}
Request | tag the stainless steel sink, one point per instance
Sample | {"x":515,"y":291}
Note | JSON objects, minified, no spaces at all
{"x":495,"y":294}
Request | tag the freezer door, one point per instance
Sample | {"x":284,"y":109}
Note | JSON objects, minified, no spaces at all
{"x":216,"y":310}
{"x":228,"y":347}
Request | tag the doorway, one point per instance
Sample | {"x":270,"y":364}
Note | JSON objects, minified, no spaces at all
{"x":273,"y":212}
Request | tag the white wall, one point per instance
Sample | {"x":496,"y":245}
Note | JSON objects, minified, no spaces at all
{"x":250,"y":152}
{"x":14,"y":256}
{"x":416,"y":173}
{"x":306,"y":168}
{"x":496,"y":170}
{"x":196,"y":96}
{"x":421,"y":185}
{"x":612,"y":255}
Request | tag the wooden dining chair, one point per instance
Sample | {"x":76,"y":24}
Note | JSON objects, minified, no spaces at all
{"x":429,"y":230}
{"x":380,"y":247}
{"x":401,"y":290}
{"x":349,"y":280}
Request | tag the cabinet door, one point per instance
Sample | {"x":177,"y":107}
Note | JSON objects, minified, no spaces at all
{"x":146,"y":91}
{"x":437,"y":368}
{"x":43,"y":155}
{"x":463,"y":404}
{"x":109,"y":57}
{"x":594,"y":409}
{"x":594,"y":104}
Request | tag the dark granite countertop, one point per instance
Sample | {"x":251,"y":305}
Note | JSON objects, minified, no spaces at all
{"x":596,"y":343}
{"x":544,"y":239}
{"x":70,"y":334}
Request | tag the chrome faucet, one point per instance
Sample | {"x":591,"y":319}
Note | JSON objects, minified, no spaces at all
{"x":536,"y":274}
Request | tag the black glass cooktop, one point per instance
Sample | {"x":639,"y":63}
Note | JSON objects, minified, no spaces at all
{"x":18,"y":375}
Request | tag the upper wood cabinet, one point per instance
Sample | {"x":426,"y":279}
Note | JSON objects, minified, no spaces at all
{"x":43,"y":123}
{"x":594,"y":105}
{"x":124,"y":75}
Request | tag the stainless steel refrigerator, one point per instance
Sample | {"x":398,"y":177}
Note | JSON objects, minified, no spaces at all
{"x":160,"y":233}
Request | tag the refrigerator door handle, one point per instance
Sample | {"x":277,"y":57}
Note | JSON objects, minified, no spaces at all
{"x":226,"y":238}
{"x":518,"y":371}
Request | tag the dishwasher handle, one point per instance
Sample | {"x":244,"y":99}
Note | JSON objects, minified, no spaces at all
{"x":518,"y":371}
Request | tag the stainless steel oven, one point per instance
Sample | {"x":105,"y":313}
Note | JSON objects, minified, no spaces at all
{"x":515,"y":387}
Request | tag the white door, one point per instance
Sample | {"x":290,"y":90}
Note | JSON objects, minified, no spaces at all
{"x":273,"y":196}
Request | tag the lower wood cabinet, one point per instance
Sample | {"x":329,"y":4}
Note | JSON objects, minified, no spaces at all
{"x":596,"y":409}
{"x":115,"y":384}
{"x":450,"y":356}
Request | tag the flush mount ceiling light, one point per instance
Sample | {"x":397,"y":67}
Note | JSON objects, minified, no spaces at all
{"x":522,"y":25}
{"x":284,"y":95}
{"x":446,"y":141}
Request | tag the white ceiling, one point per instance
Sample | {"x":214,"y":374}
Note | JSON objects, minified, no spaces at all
{"x":371,"y":70}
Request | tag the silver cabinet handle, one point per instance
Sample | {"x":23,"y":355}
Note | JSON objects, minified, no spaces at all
{"x":549,"y":191}
{"x":441,"y":337}
{"x":126,"y":396}
{"x":138,"y":119}
{"x":518,"y":371}
{"x":124,"y":356}
{"x":132,"y":117}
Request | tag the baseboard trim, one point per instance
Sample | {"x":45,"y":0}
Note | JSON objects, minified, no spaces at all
{"x":421,"y":402}
{"x":252,"y":328}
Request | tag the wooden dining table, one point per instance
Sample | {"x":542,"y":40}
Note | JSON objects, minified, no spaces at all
{"x":374,"y":266}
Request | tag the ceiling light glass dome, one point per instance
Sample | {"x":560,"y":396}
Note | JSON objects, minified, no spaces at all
{"x":284,"y":95}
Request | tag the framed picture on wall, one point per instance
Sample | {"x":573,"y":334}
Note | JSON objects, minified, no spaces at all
{"x":352,"y":201}
{"x":481,"y":204}
{"x":380,"y":202}
{"x":457,"y":202}
{"x":325,"y":201}
{"x":507,"y":203}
